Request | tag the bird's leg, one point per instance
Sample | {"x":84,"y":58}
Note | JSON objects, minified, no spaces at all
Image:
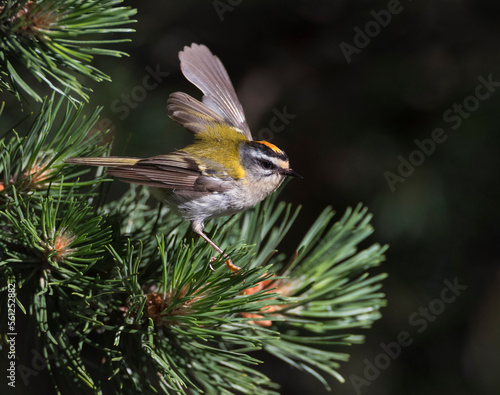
{"x":199,"y":230}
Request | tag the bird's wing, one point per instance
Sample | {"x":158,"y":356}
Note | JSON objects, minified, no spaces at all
{"x":191,"y":113}
{"x":172,"y":171}
{"x":219,"y":102}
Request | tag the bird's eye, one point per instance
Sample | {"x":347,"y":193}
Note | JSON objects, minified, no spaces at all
{"x":267,"y":165}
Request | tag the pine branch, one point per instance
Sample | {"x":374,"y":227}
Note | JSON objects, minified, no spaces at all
{"x":124,"y":299}
{"x":35,"y":161}
{"x":44,"y":38}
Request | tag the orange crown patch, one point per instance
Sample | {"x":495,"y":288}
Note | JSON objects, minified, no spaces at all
{"x":272,"y":146}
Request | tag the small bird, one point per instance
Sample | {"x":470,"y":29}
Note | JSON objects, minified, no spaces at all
{"x":224,"y":171}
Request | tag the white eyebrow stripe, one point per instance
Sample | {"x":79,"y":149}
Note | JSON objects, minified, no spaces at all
{"x":259,"y":155}
{"x":279,"y":163}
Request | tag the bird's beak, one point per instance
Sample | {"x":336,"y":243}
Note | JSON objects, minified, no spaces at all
{"x":291,"y":173}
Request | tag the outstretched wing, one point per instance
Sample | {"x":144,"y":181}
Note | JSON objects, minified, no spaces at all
{"x":175,"y":171}
{"x":219,"y":103}
{"x":191,"y":113}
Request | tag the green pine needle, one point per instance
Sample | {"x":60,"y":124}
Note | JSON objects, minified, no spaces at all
{"x":34,"y":162}
{"x":43,"y":39}
{"x":120,"y":295}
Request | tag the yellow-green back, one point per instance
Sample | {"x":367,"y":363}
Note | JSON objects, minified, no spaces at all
{"x":219,"y":144}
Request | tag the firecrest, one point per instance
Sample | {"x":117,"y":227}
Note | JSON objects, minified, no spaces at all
{"x":224,"y":171}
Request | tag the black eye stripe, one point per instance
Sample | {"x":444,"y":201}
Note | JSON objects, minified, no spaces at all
{"x":263,"y":149}
{"x":268,"y":165}
{"x":260,"y":157}
{"x":265,"y":161}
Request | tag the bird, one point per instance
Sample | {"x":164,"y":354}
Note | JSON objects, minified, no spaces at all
{"x":224,"y":171}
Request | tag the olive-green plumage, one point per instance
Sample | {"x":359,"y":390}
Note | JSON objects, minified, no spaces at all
{"x":218,"y":147}
{"x":224,"y":171}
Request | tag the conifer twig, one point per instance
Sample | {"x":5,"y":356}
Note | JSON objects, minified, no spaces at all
{"x":121,"y":298}
{"x":46,"y":39}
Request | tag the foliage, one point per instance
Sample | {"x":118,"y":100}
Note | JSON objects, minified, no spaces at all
{"x":55,"y":40}
{"x":123,"y":286}
{"x":118,"y":295}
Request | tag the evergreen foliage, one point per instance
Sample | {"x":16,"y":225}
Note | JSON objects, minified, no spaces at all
{"x":120,"y":296}
{"x":54,"y":40}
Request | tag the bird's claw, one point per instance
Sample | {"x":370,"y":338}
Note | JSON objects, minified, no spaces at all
{"x":212,"y":260}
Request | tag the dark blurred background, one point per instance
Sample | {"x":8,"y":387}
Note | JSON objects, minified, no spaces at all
{"x":353,"y":115}
{"x":350,"y":118}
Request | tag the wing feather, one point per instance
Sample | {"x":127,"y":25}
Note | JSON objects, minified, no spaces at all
{"x":207,"y":73}
{"x":191,"y":113}
{"x":172,"y":171}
